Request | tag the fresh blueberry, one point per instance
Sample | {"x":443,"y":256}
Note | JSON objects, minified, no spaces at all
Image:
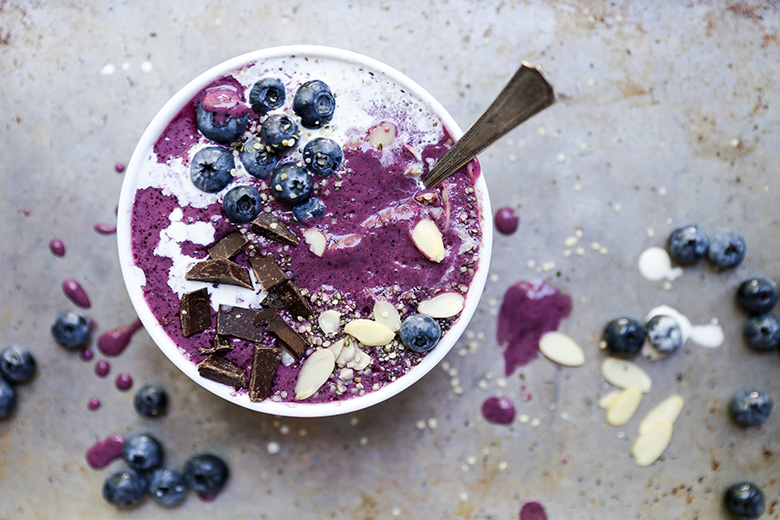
{"x":314,"y":103}
{"x":727,"y":249}
{"x":17,"y":364}
{"x":279,"y":133}
{"x":624,"y":337}
{"x":167,"y":487}
{"x":291,"y":184}
{"x":71,"y":330}
{"x":206,"y":474}
{"x":125,"y":488}
{"x":757,"y":295}
{"x":312,"y":208}
{"x":420,"y":333}
{"x":266,"y":95}
{"x":211,"y":168}
{"x":258,"y":161}
{"x":744,"y":501}
{"x":7,"y":398}
{"x":688,"y":244}
{"x":664,"y":334}
{"x":142,"y":452}
{"x":762,"y":332}
{"x":750,"y":407}
{"x":151,"y":400}
{"x":322,"y":156}
{"x":221,"y":116}
{"x":241,"y":203}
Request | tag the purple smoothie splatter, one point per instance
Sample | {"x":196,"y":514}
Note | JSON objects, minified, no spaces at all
{"x":124,"y":381}
{"x":119,"y":167}
{"x":57,"y":247}
{"x":529,"y":310}
{"x":506,"y":220}
{"x":499,"y":410}
{"x":105,"y":229}
{"x":533,"y":511}
{"x":102,"y":368}
{"x":114,"y":342}
{"x":86,"y":354}
{"x":103,"y":452}
{"x":93,"y":404}
{"x":76,"y":293}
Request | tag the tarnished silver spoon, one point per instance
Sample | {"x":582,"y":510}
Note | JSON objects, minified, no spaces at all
{"x":526,"y":94}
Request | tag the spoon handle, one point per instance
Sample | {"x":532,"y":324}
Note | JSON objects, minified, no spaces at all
{"x":526,"y":94}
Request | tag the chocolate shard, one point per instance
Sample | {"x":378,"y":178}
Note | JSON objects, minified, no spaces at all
{"x":265,"y":361}
{"x":228,"y":246}
{"x":273,"y":301}
{"x":195,"y":312}
{"x":220,"y":270}
{"x":294,"y":301}
{"x":223,"y":371}
{"x":272,"y":228}
{"x":220,"y":345}
{"x":264,"y":317}
{"x":239,"y":322}
{"x":267,"y":272}
{"x":287,"y":335}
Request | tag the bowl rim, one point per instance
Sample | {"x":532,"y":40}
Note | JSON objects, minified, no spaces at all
{"x":155,"y":329}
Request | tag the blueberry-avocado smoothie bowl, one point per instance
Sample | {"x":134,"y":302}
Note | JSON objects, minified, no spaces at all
{"x":278,"y":243}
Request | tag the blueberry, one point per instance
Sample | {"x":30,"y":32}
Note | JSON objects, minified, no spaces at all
{"x":757,"y":295}
{"x":167,"y":487}
{"x":241,"y":203}
{"x":221,"y":116}
{"x":142,"y":452}
{"x":727,"y":249}
{"x":322,"y":156}
{"x":664,"y":334}
{"x":210,"y":168}
{"x":291,"y":184}
{"x":7,"y":398}
{"x":688,"y":244}
{"x":762,"y":332}
{"x":312,"y":208}
{"x":71,"y":330}
{"x":206,"y":474}
{"x":279,"y":133}
{"x":266,"y":95}
{"x":314,"y":103}
{"x":420,"y":333}
{"x":624,"y":337}
{"x":17,"y":364}
{"x":750,"y":407}
{"x":744,"y":501}
{"x":125,"y":488}
{"x":258,"y":161}
{"x":151,"y":400}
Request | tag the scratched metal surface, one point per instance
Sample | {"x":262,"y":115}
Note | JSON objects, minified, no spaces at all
{"x":666,"y":114}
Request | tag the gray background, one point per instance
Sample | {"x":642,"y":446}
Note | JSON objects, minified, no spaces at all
{"x":666,"y":115}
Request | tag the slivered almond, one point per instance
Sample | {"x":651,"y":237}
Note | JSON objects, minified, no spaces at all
{"x":444,"y":305}
{"x":668,"y":409}
{"x":625,"y":374}
{"x":382,"y":134}
{"x":360,"y":361}
{"x":347,"y":353}
{"x":314,"y":373}
{"x":650,"y":445}
{"x":560,"y":348}
{"x":329,"y":321}
{"x":336,"y":349}
{"x":386,"y":314}
{"x":608,"y":399}
{"x":427,"y":238}
{"x":622,"y":409}
{"x":369,"y":332}
{"x":316,"y":240}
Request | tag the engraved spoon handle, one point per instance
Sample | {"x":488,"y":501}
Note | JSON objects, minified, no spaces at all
{"x":526,"y":94}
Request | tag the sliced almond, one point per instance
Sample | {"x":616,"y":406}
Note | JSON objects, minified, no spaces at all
{"x":650,"y":445}
{"x":608,"y":399}
{"x":382,"y":134}
{"x":668,"y":409}
{"x":347,"y":353}
{"x":329,"y":321}
{"x":622,"y":409}
{"x":444,"y":305}
{"x":427,"y":237}
{"x":369,"y":332}
{"x":336,"y":348}
{"x":386,"y":314}
{"x":625,"y":374}
{"x":560,"y":348}
{"x":360,"y":361}
{"x":316,"y":240}
{"x":314,"y":373}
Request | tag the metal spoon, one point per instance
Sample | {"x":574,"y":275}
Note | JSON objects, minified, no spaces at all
{"x":526,"y":94}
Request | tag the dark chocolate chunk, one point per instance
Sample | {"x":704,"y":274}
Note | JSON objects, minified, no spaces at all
{"x":195,"y":312}
{"x":220,"y":270}
{"x":222,"y":371}
{"x":267,"y":272}
{"x":220,"y":345}
{"x":264,"y":364}
{"x":287,"y":335}
{"x":264,"y":317}
{"x":239,"y":322}
{"x":272,"y":228}
{"x":273,"y":301}
{"x":228,"y":246}
{"x":294,"y":301}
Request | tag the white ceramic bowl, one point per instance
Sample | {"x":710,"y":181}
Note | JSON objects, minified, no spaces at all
{"x":155,"y":329}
